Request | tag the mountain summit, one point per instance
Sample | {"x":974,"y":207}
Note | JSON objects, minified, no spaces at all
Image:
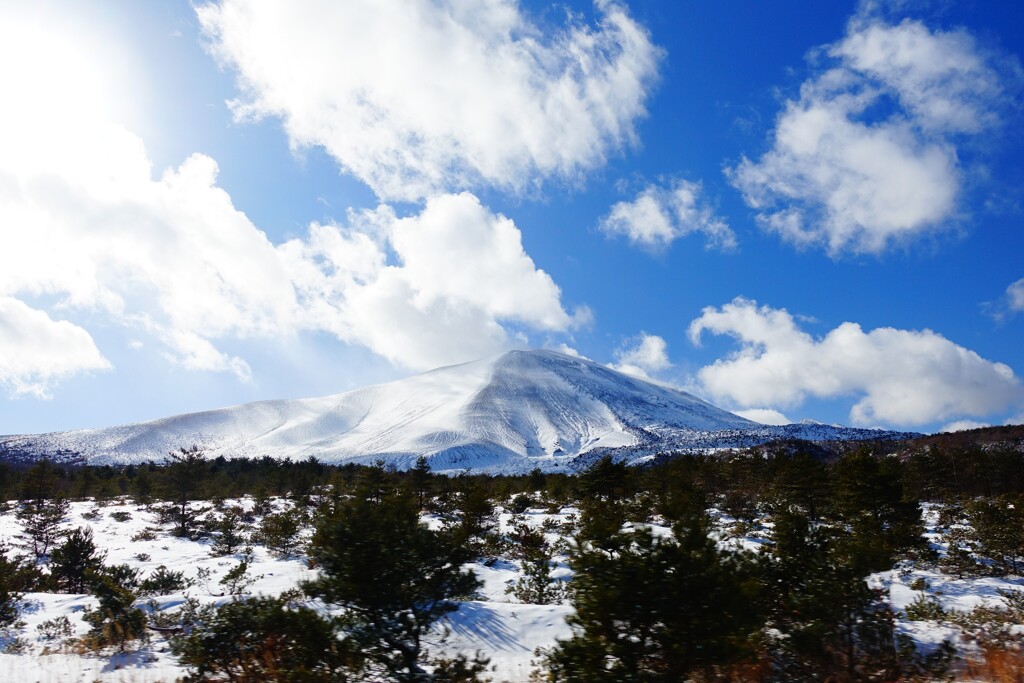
{"x":513,"y":412}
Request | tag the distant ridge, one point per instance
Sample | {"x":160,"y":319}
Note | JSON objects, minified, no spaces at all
{"x":509,"y":413}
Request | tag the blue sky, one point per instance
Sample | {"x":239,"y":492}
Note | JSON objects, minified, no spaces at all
{"x":794,"y":210}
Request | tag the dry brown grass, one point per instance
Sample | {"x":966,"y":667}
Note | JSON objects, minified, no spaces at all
{"x":994,"y":664}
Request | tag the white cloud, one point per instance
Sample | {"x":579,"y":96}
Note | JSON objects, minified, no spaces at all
{"x":963,"y":426}
{"x":458,"y":272}
{"x":1008,"y":305}
{"x":765,"y":416}
{"x":174,"y":258}
{"x":660,"y":215}
{"x":900,"y":377}
{"x":88,"y":227}
{"x":568,"y":351}
{"x":644,"y":356}
{"x":171,"y":256}
{"x":417,"y":98}
{"x":36,"y":351}
{"x":868,"y":155}
{"x":1015,"y":296}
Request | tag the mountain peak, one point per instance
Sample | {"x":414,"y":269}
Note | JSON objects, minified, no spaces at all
{"x":512,"y":412}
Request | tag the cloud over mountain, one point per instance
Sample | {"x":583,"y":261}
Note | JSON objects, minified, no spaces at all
{"x":93,"y":237}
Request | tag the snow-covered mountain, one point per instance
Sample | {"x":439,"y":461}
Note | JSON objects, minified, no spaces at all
{"x":514,"y":412}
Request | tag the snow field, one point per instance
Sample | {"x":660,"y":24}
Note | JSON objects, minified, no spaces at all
{"x":494,"y":622}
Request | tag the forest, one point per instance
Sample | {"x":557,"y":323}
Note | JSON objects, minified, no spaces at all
{"x":779,"y":563}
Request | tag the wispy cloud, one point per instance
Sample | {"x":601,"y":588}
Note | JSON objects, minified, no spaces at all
{"x":1015,"y":296}
{"x":642,"y":356}
{"x":417,"y":98}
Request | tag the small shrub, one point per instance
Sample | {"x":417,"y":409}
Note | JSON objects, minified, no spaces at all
{"x":191,"y":613}
{"x":1014,"y":600}
{"x":163,"y":581}
{"x":238,"y":579}
{"x":55,"y":629}
{"x":142,"y":557}
{"x":919,"y":584}
{"x":279,"y":532}
{"x":263,"y":639}
{"x":145,"y":535}
{"x":550,"y":525}
{"x":925,"y":608}
{"x":116,"y":621}
{"x":15,"y":646}
{"x":93,"y":515}
{"x":121,"y":516}
{"x":519,"y":504}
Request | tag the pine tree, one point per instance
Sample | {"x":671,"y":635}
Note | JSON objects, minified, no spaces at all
{"x":998,"y":530}
{"x":393,"y":576}
{"x":18,"y":575}
{"x":279,"y":532}
{"x":830,"y":624}
{"x":265,"y":639}
{"x":606,"y":479}
{"x":74,"y":562}
{"x":802,"y":480}
{"x":116,"y":621}
{"x":656,"y":609}
{"x":184,"y":477}
{"x":229,"y":534}
{"x":42,"y":508}
{"x":534,"y":553}
{"x":420,"y":477}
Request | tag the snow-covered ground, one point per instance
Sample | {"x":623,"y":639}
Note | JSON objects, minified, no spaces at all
{"x":506,"y":631}
{"x":495,"y":623}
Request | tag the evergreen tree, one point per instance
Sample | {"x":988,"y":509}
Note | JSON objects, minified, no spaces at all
{"x":420,"y":479}
{"x":830,"y":625}
{"x":184,"y":478}
{"x":478,"y":520}
{"x":75,"y":561}
{"x":802,"y":480}
{"x":534,"y":554}
{"x":116,"y":621}
{"x":265,"y":639}
{"x":605,"y":479}
{"x":18,"y":575}
{"x":142,"y":486}
{"x":656,"y":609}
{"x":229,"y":534}
{"x":42,"y":508}
{"x":393,"y":576}
{"x":998,"y":530}
{"x":868,"y":496}
{"x":279,"y":532}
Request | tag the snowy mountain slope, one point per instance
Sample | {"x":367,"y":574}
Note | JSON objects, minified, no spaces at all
{"x":516,"y":411}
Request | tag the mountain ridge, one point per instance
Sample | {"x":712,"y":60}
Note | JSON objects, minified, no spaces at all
{"x":508,"y":413}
